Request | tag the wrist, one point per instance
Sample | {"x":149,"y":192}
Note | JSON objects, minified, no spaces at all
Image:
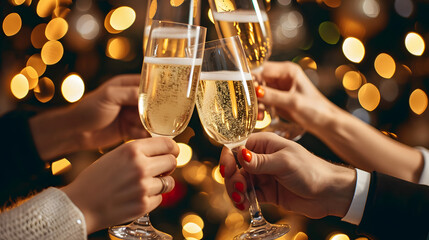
{"x":54,"y":133}
{"x":340,"y":190}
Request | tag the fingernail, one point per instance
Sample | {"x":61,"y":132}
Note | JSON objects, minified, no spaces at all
{"x":222,"y":170}
{"x":240,"y":206}
{"x":260,"y":92}
{"x":247,"y":155}
{"x":239,"y":187}
{"x":236,"y":197}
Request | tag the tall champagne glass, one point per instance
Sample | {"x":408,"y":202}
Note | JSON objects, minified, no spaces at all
{"x":181,"y":11}
{"x":227,"y":107}
{"x":249,"y":20}
{"x":170,"y":73}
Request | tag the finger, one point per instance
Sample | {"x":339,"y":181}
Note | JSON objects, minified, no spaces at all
{"x":158,"y":146}
{"x":236,"y":187}
{"x":125,"y":80}
{"x":138,"y":207}
{"x":275,"y":73}
{"x":227,"y":163}
{"x":276,"y":98}
{"x":123,"y":95}
{"x":161,"y":185}
{"x":159,"y":165}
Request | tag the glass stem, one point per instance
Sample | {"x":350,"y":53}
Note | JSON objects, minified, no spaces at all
{"x":256,"y":218}
{"x":143,"y":221}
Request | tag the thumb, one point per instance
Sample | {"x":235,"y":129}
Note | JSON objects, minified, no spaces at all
{"x":255,"y":163}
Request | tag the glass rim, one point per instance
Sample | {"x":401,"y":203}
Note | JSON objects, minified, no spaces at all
{"x":178,"y":23}
{"x":213,"y":43}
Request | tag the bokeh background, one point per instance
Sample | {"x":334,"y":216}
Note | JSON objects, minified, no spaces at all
{"x":367,"y":56}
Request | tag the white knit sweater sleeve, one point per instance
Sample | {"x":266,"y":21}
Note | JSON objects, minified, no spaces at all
{"x":49,"y":215}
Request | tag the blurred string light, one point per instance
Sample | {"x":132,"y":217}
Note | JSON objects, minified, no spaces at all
{"x":234,"y":220}
{"x":176,"y":3}
{"x":73,"y":88}
{"x":341,"y":70}
{"x":38,"y":37}
{"x":290,"y":22}
{"x":353,"y":49}
{"x":195,"y":172}
{"x":192,"y":226}
{"x":45,"y":8}
{"x":87,"y":26}
{"x":217,"y":176}
{"x":385,"y":65}
{"x":31,"y":75}
{"x":352,"y":80}
{"x":185,"y":155}
{"x":60,"y":166}
{"x":371,"y":8}
{"x":339,"y":236}
{"x":56,"y":28}
{"x":415,"y":44}
{"x":329,"y":32}
{"x":19,"y":86}
{"x":261,"y":124}
{"x":307,"y":63}
{"x":404,"y":7}
{"x":107,"y":24}
{"x":45,"y":90}
{"x":52,"y":52}
{"x":300,"y":236}
{"x":36,"y":62}
{"x":12,"y":23}
{"x":118,"y":48}
{"x":369,"y":96}
{"x":418,"y":101}
{"x":17,"y":2}
{"x":122,"y":18}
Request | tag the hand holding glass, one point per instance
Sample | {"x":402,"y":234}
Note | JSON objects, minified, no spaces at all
{"x":227,"y":107}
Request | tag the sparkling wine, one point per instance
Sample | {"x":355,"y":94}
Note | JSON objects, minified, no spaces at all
{"x":253,"y":28}
{"x":167,"y":100}
{"x":226,"y":104}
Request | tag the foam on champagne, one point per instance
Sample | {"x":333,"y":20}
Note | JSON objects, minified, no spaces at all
{"x":173,"y":60}
{"x":226,"y":76}
{"x":174,"y":33}
{"x":240,"y":16}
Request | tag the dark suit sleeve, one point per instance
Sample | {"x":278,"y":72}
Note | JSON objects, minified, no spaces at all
{"x":22,"y":171}
{"x":395,"y":209}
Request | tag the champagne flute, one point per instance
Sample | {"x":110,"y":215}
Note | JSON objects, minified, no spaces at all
{"x":227,"y":107}
{"x":181,"y":11}
{"x":249,"y":20}
{"x":170,"y":73}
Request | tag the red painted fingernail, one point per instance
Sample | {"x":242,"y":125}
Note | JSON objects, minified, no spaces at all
{"x":247,"y":155}
{"x":260,"y":92}
{"x":240,"y":206}
{"x":222,"y":170}
{"x":236,"y":197}
{"x":239,"y":186}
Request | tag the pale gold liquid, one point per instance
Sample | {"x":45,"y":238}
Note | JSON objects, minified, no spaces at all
{"x":167,"y":95}
{"x":255,"y":35}
{"x":227,"y":108}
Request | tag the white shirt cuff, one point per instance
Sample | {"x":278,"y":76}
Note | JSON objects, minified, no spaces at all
{"x":355,"y":212}
{"x":424,"y":177}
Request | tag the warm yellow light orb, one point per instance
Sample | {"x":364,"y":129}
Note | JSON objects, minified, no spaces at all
{"x":19,"y":86}
{"x":45,"y":7}
{"x":418,"y":101}
{"x":60,"y":166}
{"x":217,"y":176}
{"x":185,"y":154}
{"x":415,"y":44}
{"x":118,"y":48}
{"x":193,"y":218}
{"x":56,"y":28}
{"x":12,"y":24}
{"x":122,"y":18}
{"x":352,"y":80}
{"x":52,"y":52}
{"x":339,"y":236}
{"x":36,"y":62}
{"x":31,"y":74}
{"x":369,"y":96}
{"x":73,"y":88}
{"x":353,"y":49}
{"x":45,"y":90}
{"x":385,"y":65}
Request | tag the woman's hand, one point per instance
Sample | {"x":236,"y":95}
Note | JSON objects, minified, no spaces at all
{"x":125,"y":183}
{"x":286,"y":174}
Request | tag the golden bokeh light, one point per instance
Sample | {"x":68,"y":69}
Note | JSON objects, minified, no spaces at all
{"x":32,"y":77}
{"x":418,"y":101}
{"x":329,"y":32}
{"x":56,"y":28}
{"x":369,"y":96}
{"x":361,"y":238}
{"x":341,"y":70}
{"x":307,"y":63}
{"x":353,"y":49}
{"x":190,"y":236}
{"x":60,"y":166}
{"x":36,"y":62}
{"x":17,"y":2}
{"x":19,"y":86}
{"x":52,"y":52}
{"x":153,"y":8}
{"x":352,"y":80}
{"x":176,"y":3}
{"x":12,"y":23}
{"x":73,"y":88}
{"x":185,"y":154}
{"x":107,"y":25}
{"x":193,"y":218}
{"x":38,"y":37}
{"x":122,"y":18}
{"x":234,"y":220}
{"x":385,"y":65}
{"x":261,"y":124}
{"x":45,"y":8}
{"x":332,"y":3}
{"x":195,"y":172}
{"x":217,"y":176}
{"x":415,"y":44}
{"x":118,"y":48}
{"x":339,"y":236}
{"x":224,"y":5}
{"x":300,"y":236}
{"x":192,"y":228}
{"x":45,"y":90}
